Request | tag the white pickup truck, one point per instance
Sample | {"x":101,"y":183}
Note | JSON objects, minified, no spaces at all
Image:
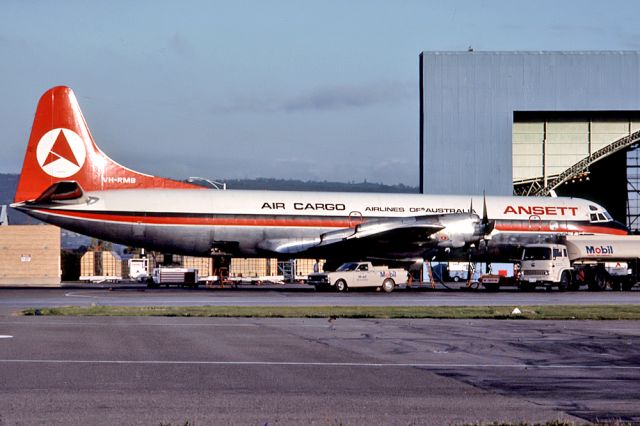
{"x":358,"y":274}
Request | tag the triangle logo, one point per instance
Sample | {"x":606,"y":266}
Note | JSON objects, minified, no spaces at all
{"x":61,"y":149}
{"x":61,"y":153}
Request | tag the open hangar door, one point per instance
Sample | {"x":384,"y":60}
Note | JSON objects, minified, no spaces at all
{"x":586,"y":154}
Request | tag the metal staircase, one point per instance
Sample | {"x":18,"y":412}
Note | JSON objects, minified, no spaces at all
{"x":536,"y":186}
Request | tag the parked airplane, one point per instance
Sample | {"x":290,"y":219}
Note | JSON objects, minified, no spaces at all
{"x":68,"y":181}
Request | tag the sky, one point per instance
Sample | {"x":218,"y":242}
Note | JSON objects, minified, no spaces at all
{"x":309,"y":90}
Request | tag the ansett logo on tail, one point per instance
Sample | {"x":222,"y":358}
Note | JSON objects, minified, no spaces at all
{"x":61,"y":153}
{"x":599,"y":251}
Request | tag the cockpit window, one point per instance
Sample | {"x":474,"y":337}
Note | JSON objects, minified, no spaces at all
{"x":592,"y":208}
{"x":601,"y":216}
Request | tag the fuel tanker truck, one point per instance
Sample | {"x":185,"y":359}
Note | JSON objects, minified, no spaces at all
{"x":595,"y":261}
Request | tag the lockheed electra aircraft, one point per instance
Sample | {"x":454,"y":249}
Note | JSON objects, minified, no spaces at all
{"x":68,"y":181}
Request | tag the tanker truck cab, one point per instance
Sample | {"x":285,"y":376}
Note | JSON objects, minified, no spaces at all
{"x":545,"y":264}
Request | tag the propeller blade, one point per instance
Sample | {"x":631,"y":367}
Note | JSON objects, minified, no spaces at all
{"x":485,"y":217}
{"x":488,"y":225}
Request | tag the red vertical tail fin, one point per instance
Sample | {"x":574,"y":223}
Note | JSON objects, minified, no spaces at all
{"x":61,"y":149}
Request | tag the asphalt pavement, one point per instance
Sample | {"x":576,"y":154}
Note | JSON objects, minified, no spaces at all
{"x":134,"y":370}
{"x":88,"y":370}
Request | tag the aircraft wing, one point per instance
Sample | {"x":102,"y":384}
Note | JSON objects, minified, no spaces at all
{"x":402,"y":231}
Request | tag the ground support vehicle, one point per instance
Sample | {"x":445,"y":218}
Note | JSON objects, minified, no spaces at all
{"x":358,"y":274}
{"x":595,"y":261}
{"x":175,"y":276}
{"x":139,"y":269}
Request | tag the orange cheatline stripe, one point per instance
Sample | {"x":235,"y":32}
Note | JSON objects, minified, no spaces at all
{"x":207,"y":221}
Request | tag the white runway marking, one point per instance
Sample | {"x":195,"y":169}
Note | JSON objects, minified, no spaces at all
{"x":123,"y":324}
{"x":323,"y":364}
{"x":5,"y":336}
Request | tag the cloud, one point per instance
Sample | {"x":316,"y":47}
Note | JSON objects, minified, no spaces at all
{"x":10,"y":41}
{"x":180,"y":45}
{"x":343,"y":97}
{"x":322,"y":99}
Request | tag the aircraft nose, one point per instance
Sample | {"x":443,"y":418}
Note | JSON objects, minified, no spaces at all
{"x":621,"y":226}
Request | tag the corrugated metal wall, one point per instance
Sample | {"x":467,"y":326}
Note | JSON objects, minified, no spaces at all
{"x":468,"y":100}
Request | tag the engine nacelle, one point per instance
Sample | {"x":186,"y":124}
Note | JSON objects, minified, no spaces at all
{"x":458,"y":231}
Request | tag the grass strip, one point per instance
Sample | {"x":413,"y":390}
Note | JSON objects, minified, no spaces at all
{"x":551,"y":312}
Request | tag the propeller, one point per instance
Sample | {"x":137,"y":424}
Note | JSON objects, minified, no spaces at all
{"x":487,"y":225}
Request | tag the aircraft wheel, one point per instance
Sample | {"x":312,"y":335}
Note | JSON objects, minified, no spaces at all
{"x":341,"y":286}
{"x":388,"y":285}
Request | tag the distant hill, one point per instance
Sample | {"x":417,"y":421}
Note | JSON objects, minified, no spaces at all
{"x":8,"y":185}
{"x":324,"y":186}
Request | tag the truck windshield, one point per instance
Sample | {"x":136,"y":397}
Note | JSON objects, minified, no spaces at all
{"x":347,"y":267}
{"x":537,"y":253}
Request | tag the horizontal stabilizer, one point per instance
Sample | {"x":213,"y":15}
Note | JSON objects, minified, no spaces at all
{"x":63,"y":192}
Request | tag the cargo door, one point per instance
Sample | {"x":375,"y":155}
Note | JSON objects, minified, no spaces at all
{"x":355,"y":219}
{"x":535,"y":223}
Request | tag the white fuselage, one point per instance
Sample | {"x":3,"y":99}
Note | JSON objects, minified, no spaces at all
{"x":194,"y":221}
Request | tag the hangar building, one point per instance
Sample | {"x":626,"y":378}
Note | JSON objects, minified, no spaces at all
{"x":532,"y":122}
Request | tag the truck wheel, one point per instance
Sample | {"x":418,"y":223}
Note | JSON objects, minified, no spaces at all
{"x":599,"y":282}
{"x":627,"y":285}
{"x":388,"y":285}
{"x":574,"y":285}
{"x":493,"y":287}
{"x":456,"y":279}
{"x":341,"y":286}
{"x":565,"y":281}
{"x":526,"y":286}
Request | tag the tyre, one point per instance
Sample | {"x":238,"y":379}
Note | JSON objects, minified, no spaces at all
{"x":388,"y":285}
{"x":525,"y":286}
{"x":565,"y":281}
{"x":456,"y":279}
{"x":493,"y":287}
{"x":627,"y":285}
{"x":599,"y":282}
{"x":574,"y":285}
{"x":341,"y":286}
